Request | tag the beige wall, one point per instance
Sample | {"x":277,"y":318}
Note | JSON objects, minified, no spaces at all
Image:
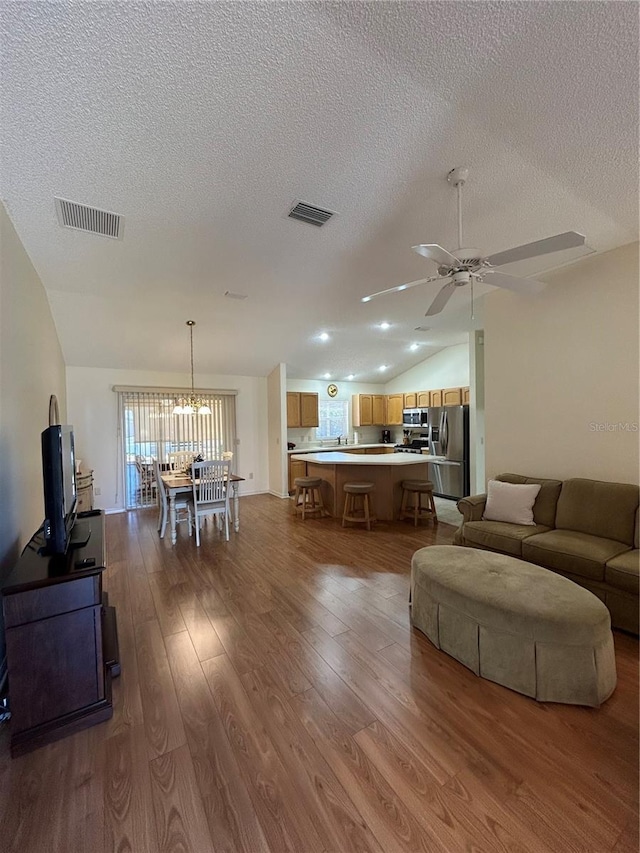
{"x":31,"y":369}
{"x":448,"y":368}
{"x":561,"y":373}
{"x":93,"y":410}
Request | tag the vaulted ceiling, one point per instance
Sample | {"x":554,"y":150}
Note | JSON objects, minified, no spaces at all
{"x":202,"y":123}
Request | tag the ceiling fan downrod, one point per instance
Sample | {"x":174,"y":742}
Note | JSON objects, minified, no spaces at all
{"x":457,"y":177}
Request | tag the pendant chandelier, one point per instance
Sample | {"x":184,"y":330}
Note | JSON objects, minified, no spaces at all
{"x":191,"y":404}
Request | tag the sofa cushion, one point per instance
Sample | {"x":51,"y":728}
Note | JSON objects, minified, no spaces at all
{"x":499,"y":535}
{"x":600,"y":509}
{"x":568,"y":551}
{"x":544,"y":508}
{"x":623,"y":571}
{"x":512,"y":502}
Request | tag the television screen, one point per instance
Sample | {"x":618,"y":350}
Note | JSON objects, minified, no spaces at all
{"x":59,"y":479}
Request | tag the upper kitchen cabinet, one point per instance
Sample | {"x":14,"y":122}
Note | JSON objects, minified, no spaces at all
{"x":379,"y":410}
{"x":302,"y":409}
{"x":395,"y":405}
{"x":465,"y":395}
{"x":424,"y":399}
{"x":452,"y":396}
{"x":436,"y":398}
{"x":362,"y":410}
{"x":369,"y":410}
{"x":410,"y":400}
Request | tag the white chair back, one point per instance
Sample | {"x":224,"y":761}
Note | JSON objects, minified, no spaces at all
{"x":210,"y":480}
{"x":179,"y":459}
{"x":210,"y":492}
{"x":161,"y":489}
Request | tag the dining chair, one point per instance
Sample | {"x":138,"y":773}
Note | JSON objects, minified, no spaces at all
{"x":182,"y":503}
{"x":146,"y":480}
{"x":210,"y":492}
{"x":179,"y":459}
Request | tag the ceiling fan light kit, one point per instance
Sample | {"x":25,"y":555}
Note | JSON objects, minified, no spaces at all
{"x":463,"y":266}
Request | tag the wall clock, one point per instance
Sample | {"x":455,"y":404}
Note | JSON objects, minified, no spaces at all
{"x":332,"y":390}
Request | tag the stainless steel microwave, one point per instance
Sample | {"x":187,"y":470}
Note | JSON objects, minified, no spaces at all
{"x":415,"y":417}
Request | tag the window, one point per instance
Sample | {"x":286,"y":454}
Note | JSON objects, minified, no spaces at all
{"x":333,"y":418}
{"x":151,"y":430}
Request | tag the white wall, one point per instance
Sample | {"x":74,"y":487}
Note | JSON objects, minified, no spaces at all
{"x":31,"y":369}
{"x":93,"y":411}
{"x":448,"y":368}
{"x":277,"y":430}
{"x":561,"y":363}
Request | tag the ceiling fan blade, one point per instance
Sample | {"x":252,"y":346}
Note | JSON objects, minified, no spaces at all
{"x":444,"y":295}
{"x":436,"y":253}
{"x":512,"y":282}
{"x":568,"y":240}
{"x":399,"y":287}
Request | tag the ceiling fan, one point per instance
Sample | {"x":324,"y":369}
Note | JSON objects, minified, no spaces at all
{"x":462,"y":266}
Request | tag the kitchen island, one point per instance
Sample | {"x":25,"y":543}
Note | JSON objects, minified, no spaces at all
{"x":385,"y":470}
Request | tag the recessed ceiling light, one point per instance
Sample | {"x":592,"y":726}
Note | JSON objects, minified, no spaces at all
{"x":327,"y":376}
{"x":384,"y":325}
{"x":414,"y":346}
{"x":382,"y":367}
{"x":366,"y":299}
{"x":351,"y":376}
{"x":324,"y":336}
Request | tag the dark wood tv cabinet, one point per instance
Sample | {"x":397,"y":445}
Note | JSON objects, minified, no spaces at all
{"x":62,"y":642}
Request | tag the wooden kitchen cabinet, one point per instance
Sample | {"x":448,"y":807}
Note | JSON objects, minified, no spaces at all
{"x":296,"y":469}
{"x":465,"y":396}
{"x":436,"y":398}
{"x":452,"y":396}
{"x":309,"y":410}
{"x":362,"y":410}
{"x":302,"y":409}
{"x":379,"y":407}
{"x":411,"y":400}
{"x":424,"y":399}
{"x":395,"y":405}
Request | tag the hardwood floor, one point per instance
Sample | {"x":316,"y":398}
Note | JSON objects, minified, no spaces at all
{"x":274,"y":698}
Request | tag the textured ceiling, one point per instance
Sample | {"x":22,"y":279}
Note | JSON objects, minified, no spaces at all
{"x":201,"y":123}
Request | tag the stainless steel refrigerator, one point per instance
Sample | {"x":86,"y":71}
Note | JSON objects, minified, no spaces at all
{"x":449,"y":433}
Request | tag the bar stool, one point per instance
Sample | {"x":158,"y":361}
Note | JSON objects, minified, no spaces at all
{"x":353,"y":491}
{"x":415,"y":510}
{"x":308,"y":489}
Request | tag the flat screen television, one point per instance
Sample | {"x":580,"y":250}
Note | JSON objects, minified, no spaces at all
{"x":59,"y":479}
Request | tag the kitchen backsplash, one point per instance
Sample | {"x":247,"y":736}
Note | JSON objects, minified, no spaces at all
{"x":366,"y":435}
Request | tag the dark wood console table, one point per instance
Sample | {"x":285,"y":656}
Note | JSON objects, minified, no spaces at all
{"x":62,"y":642}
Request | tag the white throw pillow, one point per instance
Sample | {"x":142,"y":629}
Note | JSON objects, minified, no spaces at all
{"x":512,"y":502}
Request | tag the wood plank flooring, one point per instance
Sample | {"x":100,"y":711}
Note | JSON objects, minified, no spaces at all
{"x":274,"y":698}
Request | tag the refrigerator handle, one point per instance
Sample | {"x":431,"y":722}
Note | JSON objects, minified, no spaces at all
{"x":444,"y":430}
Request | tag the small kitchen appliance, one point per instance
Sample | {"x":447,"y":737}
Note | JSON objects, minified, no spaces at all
{"x":385,"y":438}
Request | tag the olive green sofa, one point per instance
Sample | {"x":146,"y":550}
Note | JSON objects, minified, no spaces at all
{"x":586,"y":530}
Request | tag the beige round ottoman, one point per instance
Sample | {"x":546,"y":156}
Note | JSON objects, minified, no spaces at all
{"x":514,"y":623}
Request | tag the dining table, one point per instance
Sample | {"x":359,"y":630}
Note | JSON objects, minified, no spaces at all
{"x":178,"y":482}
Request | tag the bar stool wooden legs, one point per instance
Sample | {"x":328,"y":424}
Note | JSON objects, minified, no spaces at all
{"x":308,"y":498}
{"x":362,"y":515}
{"x":415,"y":509}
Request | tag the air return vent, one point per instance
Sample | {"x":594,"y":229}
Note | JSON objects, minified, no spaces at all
{"x":304,"y":212}
{"x":85,"y":218}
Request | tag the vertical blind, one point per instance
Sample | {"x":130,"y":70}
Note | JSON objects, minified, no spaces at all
{"x":149,"y":430}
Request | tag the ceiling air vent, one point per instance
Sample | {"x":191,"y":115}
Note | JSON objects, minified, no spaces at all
{"x":308,"y":213}
{"x":85,"y":218}
{"x":422,"y":328}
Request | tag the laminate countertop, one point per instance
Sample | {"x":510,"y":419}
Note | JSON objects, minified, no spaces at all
{"x":352,"y":446}
{"x":390,"y":460}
